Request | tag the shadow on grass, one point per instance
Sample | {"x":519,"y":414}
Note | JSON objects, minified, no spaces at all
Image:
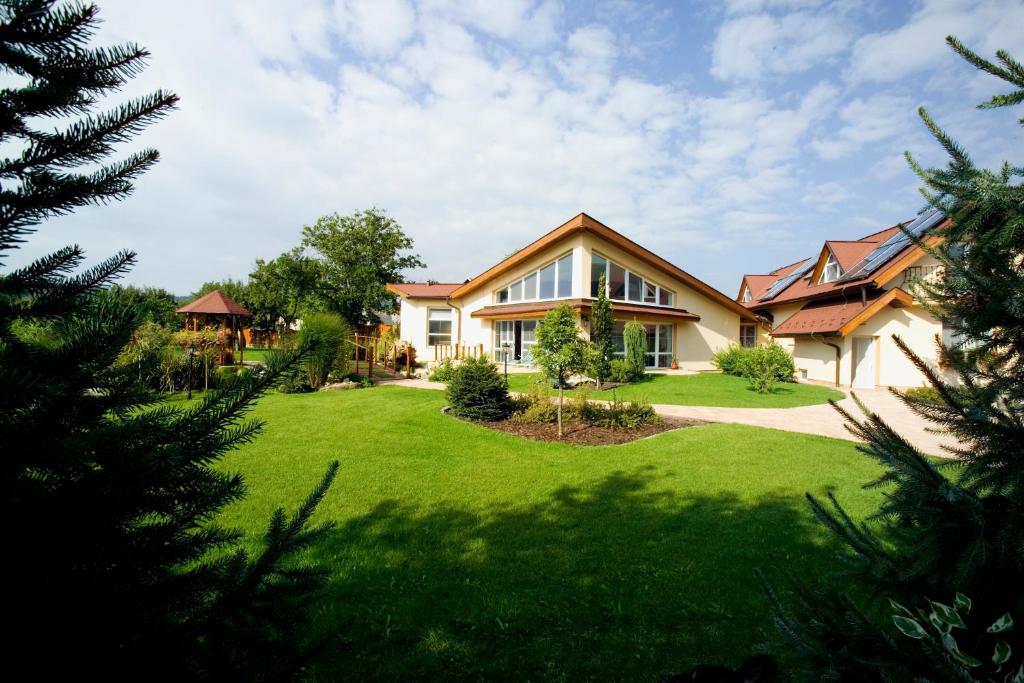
{"x":619,"y":580}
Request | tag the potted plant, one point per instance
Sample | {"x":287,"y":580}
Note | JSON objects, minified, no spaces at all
{"x":674,"y":364}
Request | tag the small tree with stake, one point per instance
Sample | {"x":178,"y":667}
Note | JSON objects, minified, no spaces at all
{"x":956,"y":529}
{"x":117,"y":567}
{"x":559,"y":350}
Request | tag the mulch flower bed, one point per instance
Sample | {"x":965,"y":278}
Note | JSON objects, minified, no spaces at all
{"x":584,"y":434}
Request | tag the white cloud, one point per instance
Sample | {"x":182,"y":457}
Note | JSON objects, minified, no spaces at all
{"x":879,"y":117}
{"x":919,"y":45}
{"x":750,"y":46}
{"x":375,"y":27}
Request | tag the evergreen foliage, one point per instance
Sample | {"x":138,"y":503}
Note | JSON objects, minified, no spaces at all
{"x":635,"y":337}
{"x":327,"y":335}
{"x":956,"y":526}
{"x":477,"y":391}
{"x":116,"y":565}
{"x":559,"y":350}
{"x":601,"y":325}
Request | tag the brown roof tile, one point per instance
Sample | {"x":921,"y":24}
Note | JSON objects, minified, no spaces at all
{"x":830,"y":316}
{"x":216,"y":302}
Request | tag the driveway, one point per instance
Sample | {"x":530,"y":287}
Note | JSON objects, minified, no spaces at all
{"x":822,"y":419}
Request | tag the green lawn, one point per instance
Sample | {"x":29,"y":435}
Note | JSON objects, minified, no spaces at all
{"x":703,"y":390}
{"x":462,"y":553}
{"x":256,"y":354}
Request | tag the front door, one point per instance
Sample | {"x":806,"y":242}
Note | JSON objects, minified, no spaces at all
{"x":864,"y":362}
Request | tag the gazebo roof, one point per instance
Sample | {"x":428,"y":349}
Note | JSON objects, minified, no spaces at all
{"x":217,"y":303}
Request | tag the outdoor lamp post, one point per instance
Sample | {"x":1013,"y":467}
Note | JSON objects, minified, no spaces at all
{"x":191,"y":355}
{"x":504,"y":348}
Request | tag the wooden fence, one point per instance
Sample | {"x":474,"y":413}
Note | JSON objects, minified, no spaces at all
{"x":393,"y":355}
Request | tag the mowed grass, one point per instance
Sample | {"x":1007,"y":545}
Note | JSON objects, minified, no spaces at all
{"x":710,"y":389}
{"x":461,"y":553}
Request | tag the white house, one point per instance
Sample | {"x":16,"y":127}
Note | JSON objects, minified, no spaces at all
{"x":497,"y":311}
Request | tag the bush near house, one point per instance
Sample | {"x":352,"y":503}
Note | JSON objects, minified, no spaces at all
{"x":620,"y":371}
{"x":325,"y":334}
{"x":635,"y":337}
{"x":764,"y":365}
{"x":477,"y":391}
{"x":443,"y":371}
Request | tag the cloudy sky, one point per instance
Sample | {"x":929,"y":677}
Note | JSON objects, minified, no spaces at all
{"x":727,"y":137}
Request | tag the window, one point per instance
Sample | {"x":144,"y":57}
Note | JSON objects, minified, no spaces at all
{"x":598,"y":267}
{"x":616,"y":282}
{"x":530,"y":286}
{"x":625,"y":285}
{"x":516,"y":338}
{"x":748,"y":336}
{"x":547,"y":282}
{"x":659,"y":343}
{"x":832,"y":271}
{"x":565,"y":276}
{"x":746,"y":295}
{"x":439,"y":326}
{"x":550,"y":282}
{"x":636,"y":285}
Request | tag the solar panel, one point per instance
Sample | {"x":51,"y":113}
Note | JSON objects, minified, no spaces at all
{"x":787,"y":280}
{"x":892,"y":246}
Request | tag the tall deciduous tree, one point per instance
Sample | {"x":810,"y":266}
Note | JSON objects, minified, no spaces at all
{"x":115,"y":567}
{"x":282,"y":290}
{"x":958,"y":526}
{"x":559,"y":350}
{"x":360,"y":254}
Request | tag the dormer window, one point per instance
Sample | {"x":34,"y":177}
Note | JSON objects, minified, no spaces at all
{"x":746,"y":295}
{"x":831,"y":271}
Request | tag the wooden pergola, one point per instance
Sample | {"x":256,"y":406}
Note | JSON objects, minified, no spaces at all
{"x":219,"y":311}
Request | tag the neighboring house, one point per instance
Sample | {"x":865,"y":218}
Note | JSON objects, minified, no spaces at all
{"x":496,"y":312}
{"x":837,"y":311}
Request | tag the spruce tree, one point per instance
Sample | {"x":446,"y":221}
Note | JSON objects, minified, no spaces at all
{"x":955,"y":526}
{"x":601,"y":326}
{"x":115,"y":565}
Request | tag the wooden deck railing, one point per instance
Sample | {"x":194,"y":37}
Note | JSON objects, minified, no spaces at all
{"x":443,"y":352}
{"x":389,"y":354}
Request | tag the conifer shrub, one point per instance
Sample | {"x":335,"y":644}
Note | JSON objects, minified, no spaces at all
{"x":477,"y":391}
{"x":635,"y":337}
{"x":325,"y":334}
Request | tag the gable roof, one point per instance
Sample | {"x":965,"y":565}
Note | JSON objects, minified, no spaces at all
{"x":423,"y":290}
{"x":758,"y":285}
{"x":839,"y":316}
{"x":217,"y":303}
{"x":850,"y":254}
{"x":583,"y":223}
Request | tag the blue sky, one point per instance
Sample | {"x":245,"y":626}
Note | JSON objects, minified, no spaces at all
{"x":727,"y":137}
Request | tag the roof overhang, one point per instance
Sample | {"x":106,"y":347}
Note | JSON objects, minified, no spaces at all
{"x":896,"y":298}
{"x":540,"y":308}
{"x":584,"y":223}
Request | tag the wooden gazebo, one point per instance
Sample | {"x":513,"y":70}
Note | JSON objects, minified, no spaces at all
{"x":220,"y":311}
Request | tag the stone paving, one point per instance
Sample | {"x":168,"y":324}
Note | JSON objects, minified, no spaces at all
{"x":821,"y":419}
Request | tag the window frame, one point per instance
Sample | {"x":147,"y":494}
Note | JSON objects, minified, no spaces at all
{"x":628,"y":278}
{"x":752,"y":329}
{"x":503,"y":295}
{"x":830,"y":262}
{"x":450,"y":321}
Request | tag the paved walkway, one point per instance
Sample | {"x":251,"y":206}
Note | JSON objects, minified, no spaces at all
{"x":821,"y":419}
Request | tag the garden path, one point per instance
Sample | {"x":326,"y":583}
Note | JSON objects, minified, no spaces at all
{"x":821,"y":419}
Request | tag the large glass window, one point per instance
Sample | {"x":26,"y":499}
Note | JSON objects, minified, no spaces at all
{"x":565,"y":276}
{"x":547,"y":282}
{"x":625,"y":285}
{"x":515,"y":338}
{"x":530,"y":286}
{"x":439,"y":326}
{"x":553,"y":281}
{"x":659,"y":343}
{"x":616,"y":282}
{"x":598,"y":267}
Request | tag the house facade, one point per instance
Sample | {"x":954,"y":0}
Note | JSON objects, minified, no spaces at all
{"x":836,"y":312}
{"x":496,"y":312}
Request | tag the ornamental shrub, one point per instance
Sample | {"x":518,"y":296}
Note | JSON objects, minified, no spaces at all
{"x":478,"y":391}
{"x":619,"y":371}
{"x":326,"y":335}
{"x":635,"y":337}
{"x":730,"y":360}
{"x":443,"y":371}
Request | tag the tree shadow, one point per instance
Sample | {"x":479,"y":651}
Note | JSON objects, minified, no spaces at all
{"x":619,"y":579}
